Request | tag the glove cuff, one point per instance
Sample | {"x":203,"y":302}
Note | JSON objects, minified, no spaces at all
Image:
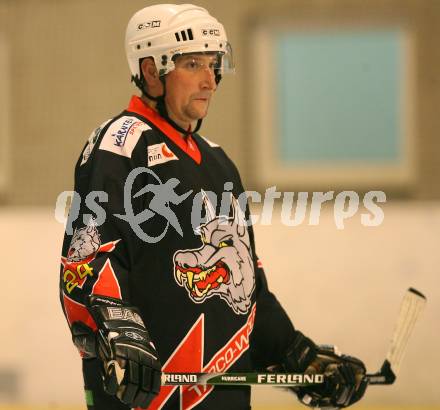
{"x":107,"y":311}
{"x":300,"y":354}
{"x":84,"y":339}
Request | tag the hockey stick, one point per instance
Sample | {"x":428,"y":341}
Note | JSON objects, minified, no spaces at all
{"x":235,"y":379}
{"x":412,"y":306}
{"x":273,"y":379}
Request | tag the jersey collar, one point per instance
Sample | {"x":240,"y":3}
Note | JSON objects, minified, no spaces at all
{"x":187,"y":145}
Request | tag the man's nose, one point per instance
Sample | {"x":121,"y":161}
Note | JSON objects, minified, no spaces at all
{"x":208,"y":81}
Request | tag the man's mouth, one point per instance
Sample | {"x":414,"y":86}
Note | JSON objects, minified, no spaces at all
{"x":202,"y":97}
{"x":200,"y":281}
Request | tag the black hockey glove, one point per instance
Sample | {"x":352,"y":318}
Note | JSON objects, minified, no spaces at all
{"x":344,"y":383}
{"x":131,"y":367}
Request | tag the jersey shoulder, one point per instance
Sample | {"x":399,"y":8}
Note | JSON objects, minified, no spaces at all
{"x":119,"y":135}
{"x":91,"y":142}
{"x":123,"y":134}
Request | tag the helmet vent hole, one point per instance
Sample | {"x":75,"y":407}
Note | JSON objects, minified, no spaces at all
{"x":149,"y":44}
{"x":206,"y":45}
{"x":177,"y":36}
{"x":221,"y":45}
{"x":138,"y":46}
{"x":183,"y":32}
{"x":190,"y":34}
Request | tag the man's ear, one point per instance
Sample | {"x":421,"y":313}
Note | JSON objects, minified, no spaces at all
{"x":150,"y":73}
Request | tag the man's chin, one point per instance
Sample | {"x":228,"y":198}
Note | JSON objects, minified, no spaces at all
{"x":199,"y":115}
{"x":200,"y":108}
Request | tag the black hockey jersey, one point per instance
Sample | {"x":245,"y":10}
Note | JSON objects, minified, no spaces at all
{"x":157,"y":221}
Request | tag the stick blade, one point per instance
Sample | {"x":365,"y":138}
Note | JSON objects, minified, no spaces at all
{"x":411,"y":308}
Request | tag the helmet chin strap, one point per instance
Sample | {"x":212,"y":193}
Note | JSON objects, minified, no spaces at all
{"x":161,"y":106}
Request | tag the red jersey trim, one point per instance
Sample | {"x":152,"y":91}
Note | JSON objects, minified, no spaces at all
{"x":187,"y":145}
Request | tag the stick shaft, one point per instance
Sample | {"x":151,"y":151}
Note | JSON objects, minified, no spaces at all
{"x":272,"y":379}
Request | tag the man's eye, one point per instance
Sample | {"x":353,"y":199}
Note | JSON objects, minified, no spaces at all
{"x":192,"y":64}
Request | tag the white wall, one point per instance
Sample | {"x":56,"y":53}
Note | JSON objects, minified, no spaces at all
{"x":38,"y":345}
{"x":339,"y":286}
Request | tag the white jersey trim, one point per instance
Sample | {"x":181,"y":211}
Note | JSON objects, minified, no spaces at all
{"x":210,"y":143}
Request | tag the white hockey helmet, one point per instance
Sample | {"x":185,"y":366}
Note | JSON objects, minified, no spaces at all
{"x":165,"y":31}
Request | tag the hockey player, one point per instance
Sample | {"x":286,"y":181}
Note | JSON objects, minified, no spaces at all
{"x":147,"y":285}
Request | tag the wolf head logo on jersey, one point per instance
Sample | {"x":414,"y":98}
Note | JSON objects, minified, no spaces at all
{"x":223,"y":265}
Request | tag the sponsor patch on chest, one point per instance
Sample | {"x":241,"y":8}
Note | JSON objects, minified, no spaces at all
{"x":159,"y":154}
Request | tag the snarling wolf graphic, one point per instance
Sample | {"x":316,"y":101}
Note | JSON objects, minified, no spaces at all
{"x":223,"y":265}
{"x":85,"y":242}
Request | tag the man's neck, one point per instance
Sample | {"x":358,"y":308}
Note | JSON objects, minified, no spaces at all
{"x":153,"y":105}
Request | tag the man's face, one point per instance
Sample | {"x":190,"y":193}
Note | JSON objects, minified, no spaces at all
{"x":190,"y":86}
